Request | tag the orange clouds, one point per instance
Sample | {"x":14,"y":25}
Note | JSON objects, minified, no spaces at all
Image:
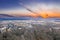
{"x":51,"y":14}
{"x":47,"y":15}
{"x":56,"y":15}
{"x":43,"y":14}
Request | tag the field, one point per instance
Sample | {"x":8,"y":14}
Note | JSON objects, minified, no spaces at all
{"x":29,"y":30}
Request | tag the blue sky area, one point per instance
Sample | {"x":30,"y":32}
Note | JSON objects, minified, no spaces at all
{"x":8,"y":4}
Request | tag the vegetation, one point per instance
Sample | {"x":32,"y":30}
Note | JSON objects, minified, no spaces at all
{"x":37,"y":32}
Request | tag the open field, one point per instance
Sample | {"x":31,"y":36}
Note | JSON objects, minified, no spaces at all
{"x":29,"y":30}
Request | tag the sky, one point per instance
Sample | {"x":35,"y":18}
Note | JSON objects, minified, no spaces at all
{"x":33,"y":8}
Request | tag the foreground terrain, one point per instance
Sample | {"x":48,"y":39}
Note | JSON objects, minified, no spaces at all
{"x":29,"y":30}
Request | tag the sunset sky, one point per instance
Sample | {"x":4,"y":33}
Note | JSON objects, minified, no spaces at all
{"x":43,"y":8}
